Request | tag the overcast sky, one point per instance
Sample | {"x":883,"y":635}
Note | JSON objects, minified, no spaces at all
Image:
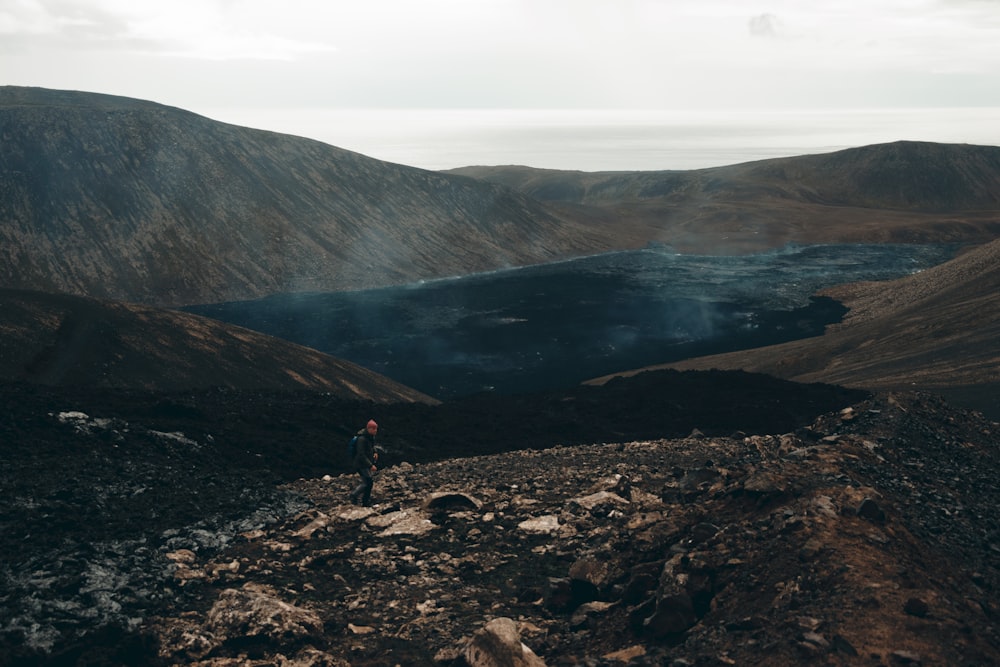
{"x":206,"y":55}
{"x":511,"y":53}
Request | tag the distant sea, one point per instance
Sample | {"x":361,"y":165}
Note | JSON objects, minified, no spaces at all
{"x":613,"y":140}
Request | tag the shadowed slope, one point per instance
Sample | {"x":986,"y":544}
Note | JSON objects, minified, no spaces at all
{"x":75,"y":341}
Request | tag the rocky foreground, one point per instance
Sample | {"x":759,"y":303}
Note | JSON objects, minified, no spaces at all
{"x":213,"y":529}
{"x":868,"y":538}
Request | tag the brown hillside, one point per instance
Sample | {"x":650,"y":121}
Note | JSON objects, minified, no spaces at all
{"x":900,"y":192}
{"x":65,"y":340}
{"x":935,"y":330}
{"x":128,"y":200}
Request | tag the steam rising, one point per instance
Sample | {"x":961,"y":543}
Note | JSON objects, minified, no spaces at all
{"x":547,"y":326}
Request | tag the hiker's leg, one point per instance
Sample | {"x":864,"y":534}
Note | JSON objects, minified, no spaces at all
{"x":359,"y":490}
{"x":369,"y":482}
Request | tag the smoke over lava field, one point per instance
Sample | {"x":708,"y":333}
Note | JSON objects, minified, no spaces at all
{"x":552,"y":326}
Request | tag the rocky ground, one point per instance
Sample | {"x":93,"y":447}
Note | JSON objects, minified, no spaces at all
{"x":864,"y":535}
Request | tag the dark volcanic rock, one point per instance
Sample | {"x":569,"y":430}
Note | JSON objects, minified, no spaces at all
{"x":935,"y":330}
{"x":717,"y":576}
{"x":744,"y":549}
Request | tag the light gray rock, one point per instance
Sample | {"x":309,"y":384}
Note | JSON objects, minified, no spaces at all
{"x":600,"y":503}
{"x":498,"y":644}
{"x":403,"y":522}
{"x":255,"y":611}
{"x":543,"y":524}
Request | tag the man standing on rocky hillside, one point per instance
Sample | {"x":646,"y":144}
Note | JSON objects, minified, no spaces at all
{"x":363,"y":463}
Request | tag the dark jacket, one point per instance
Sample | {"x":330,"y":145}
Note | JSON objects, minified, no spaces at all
{"x":364,"y":453}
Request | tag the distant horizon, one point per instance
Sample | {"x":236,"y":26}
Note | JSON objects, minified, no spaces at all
{"x":236,"y":61}
{"x":612,"y":139}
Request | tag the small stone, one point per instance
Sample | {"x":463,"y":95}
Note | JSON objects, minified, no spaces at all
{"x":765,"y":483}
{"x":870,"y":510}
{"x":452,"y":500}
{"x":591,"y":570}
{"x":810,"y":549}
{"x":360,"y":629}
{"x":185,"y":556}
{"x":543,"y":524}
{"x":674,"y":614}
{"x":905,"y":657}
{"x":254,"y":611}
{"x":498,"y":644}
{"x":841,"y":645}
{"x":816,"y":638}
{"x":808,"y":622}
{"x":319,"y":523}
{"x":627,"y":654}
{"x":916,"y":607}
{"x":587,"y":611}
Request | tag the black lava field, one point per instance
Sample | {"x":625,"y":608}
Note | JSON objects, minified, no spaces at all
{"x":554,"y":325}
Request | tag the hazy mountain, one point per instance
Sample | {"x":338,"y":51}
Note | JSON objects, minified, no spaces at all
{"x":123,"y":199}
{"x":62,"y":340}
{"x":903,"y":192}
{"x":129,"y":200}
{"x":118,"y":198}
{"x":935,"y":330}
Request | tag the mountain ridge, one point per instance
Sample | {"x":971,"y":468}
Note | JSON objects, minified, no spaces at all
{"x":135,"y":201}
{"x":906,"y":191}
{"x":129,"y":200}
{"x":909,"y":175}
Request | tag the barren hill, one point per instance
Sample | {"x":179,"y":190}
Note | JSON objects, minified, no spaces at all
{"x":902,"y":192}
{"x":936,"y":330}
{"x":62,"y":340}
{"x":123,"y":199}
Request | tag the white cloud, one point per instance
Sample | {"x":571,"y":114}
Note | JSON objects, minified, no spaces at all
{"x":198,"y":29}
{"x":764,"y":25}
{"x":521,"y":53}
{"x":211,"y":31}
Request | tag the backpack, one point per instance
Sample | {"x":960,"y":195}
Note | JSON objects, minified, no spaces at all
{"x":352,"y":447}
